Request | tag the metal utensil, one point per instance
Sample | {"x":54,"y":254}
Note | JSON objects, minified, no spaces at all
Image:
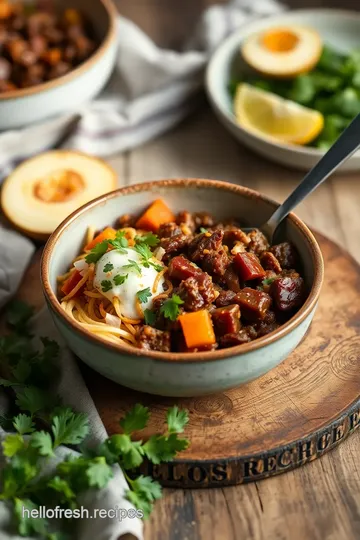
{"x":341,"y":150}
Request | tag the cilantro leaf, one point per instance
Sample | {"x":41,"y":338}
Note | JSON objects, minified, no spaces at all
{"x":119,"y":279}
{"x":31,"y":399}
{"x":143,"y":250}
{"x":161,"y":448}
{"x":120,"y":242}
{"x":7,"y":383}
{"x":134,"y":457}
{"x":108,"y":267}
{"x":23,"y":424}
{"x":158,"y":267}
{"x":203,"y":230}
{"x":144,"y":295}
{"x":22,"y":370}
{"x":97,"y":252}
{"x":267,"y":281}
{"x":150,"y":317}
{"x":144,"y":490}
{"x":150,"y":239}
{"x":176,"y":419}
{"x":28,"y":525}
{"x":70,"y":428}
{"x":136,"y":419}
{"x":99,"y":473}
{"x":43,"y":442}
{"x":170,"y":307}
{"x":61,"y":486}
{"x":133,"y":265}
{"x":18,"y":315}
{"x":12,"y":444}
{"x":106,"y":285}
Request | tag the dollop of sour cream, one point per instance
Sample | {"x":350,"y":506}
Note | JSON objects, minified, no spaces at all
{"x":126,"y":292}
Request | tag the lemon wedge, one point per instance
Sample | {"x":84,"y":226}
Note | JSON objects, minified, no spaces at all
{"x":269,"y":115}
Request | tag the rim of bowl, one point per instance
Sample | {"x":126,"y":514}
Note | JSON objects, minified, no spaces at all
{"x":181,"y":183}
{"x":238,"y":34}
{"x":84,"y":66}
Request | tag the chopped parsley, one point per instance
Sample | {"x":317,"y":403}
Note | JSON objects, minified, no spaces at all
{"x":106,"y":285}
{"x":97,"y":252}
{"x":120,"y":243}
{"x":267,"y":281}
{"x":170,"y":307}
{"x":108,"y":267}
{"x":119,"y":279}
{"x":146,"y":254}
{"x":144,"y":295}
{"x":150,"y":317}
{"x":133,"y":265}
{"x":203,"y":230}
{"x":150,"y":239}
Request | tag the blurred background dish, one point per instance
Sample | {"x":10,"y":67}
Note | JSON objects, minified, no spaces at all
{"x":79,"y":66}
{"x":338,"y":30}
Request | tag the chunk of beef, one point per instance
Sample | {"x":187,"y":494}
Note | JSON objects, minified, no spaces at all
{"x":286,"y":254}
{"x":269,"y":324}
{"x":226,"y":320}
{"x":174,"y":244}
{"x":186,"y":219}
{"x":253,"y":304}
{"x":287,"y":292}
{"x":203,"y":219}
{"x":231,"y":279}
{"x":181,"y":268}
{"x":245,"y":335}
{"x":234,"y":234}
{"x":248,"y":266}
{"x":207,"y":250}
{"x":258,"y":242}
{"x":225,"y":298}
{"x":127,"y":220}
{"x":270,"y":262}
{"x":151,"y":339}
{"x":197,"y":292}
{"x":167,"y":230}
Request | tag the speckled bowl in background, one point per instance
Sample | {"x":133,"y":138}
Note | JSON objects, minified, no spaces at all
{"x":179,"y":374}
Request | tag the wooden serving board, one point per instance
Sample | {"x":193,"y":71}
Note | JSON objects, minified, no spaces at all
{"x":292,"y":415}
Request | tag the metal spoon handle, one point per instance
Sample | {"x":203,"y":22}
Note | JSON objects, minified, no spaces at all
{"x":344,"y":147}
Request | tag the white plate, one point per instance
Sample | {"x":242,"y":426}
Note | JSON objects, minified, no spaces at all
{"x":339,"y":29}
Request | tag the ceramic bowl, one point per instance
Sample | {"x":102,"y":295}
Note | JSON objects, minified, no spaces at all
{"x":180,"y":374}
{"x":338,"y":28}
{"x":26,"y":106}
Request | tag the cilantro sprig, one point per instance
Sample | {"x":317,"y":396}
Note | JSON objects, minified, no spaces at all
{"x":119,"y":243}
{"x":144,"y":295}
{"x":170,"y":307}
{"x":42,"y":424}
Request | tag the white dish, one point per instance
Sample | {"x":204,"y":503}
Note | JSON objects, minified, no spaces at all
{"x":19,"y":108}
{"x":339,"y":29}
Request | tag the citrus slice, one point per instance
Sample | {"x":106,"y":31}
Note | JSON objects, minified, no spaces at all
{"x":272,"y":116}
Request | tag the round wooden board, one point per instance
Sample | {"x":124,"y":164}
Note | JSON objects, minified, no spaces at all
{"x":294,"y":414}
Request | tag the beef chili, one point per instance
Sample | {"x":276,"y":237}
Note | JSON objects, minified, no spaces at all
{"x":182,"y":283}
{"x":38,"y":43}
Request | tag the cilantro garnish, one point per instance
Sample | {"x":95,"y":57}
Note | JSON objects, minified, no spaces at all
{"x":144,"y":295}
{"x":25,"y":483}
{"x":157,"y":267}
{"x":133,"y":265}
{"x":267,"y":281}
{"x":106,"y":285}
{"x":170,"y":307}
{"x":119,"y":279}
{"x":108,"y":267}
{"x":120,"y":242}
{"x":149,"y":238}
{"x":144,"y":251}
{"x":203,"y":230}
{"x":97,"y":252}
{"x":150,"y":317}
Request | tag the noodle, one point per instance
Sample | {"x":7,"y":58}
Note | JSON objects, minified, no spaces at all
{"x":77,"y":287}
{"x":157,"y":279}
{"x":116,"y":304}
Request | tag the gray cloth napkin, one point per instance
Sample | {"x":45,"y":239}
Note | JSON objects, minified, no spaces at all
{"x":150,"y":91}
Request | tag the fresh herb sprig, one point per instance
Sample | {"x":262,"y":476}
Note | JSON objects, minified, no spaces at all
{"x":170,"y":307}
{"x":41,"y":424}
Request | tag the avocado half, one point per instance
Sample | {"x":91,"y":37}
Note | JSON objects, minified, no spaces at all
{"x":41,"y":192}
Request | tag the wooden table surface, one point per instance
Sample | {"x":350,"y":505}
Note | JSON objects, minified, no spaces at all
{"x":322,"y":499}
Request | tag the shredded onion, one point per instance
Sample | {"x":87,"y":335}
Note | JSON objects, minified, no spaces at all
{"x":112,"y":320}
{"x":159,"y":253}
{"x":82,"y":266}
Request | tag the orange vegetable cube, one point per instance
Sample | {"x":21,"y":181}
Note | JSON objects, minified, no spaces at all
{"x":107,"y":234}
{"x":71,"y":282}
{"x":197,"y":328}
{"x":157,"y":214}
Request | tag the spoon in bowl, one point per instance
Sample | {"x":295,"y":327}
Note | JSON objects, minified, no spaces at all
{"x":340,"y":151}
